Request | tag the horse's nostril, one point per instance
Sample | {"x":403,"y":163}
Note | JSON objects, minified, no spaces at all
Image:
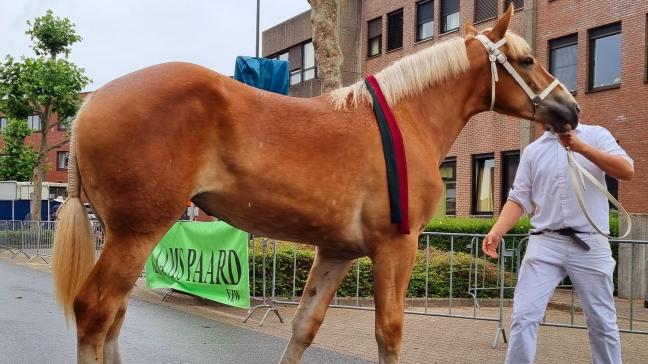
{"x":578,"y":109}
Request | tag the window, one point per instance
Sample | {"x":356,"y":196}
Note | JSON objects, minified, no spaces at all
{"x":563,"y":57}
{"x":604,"y":57}
{"x":483,"y":180}
{"x":517,"y":4}
{"x":295,"y":77}
{"x":65,"y":123}
{"x":449,"y":15}
{"x":309,"y":61}
{"x":424,"y":20}
{"x":510,"y":162}
{"x":34,"y":122}
{"x":374,"y":42}
{"x":448,"y":203}
{"x":485,"y":9}
{"x":62,"y":160}
{"x":283,"y":57}
{"x":3,"y":123}
{"x":395,"y":30}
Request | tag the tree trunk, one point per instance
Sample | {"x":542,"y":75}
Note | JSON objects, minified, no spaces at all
{"x":41,"y":164}
{"x":327,"y":45}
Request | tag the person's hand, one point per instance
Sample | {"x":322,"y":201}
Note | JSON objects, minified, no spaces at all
{"x":490,"y":244}
{"x":571,"y":141}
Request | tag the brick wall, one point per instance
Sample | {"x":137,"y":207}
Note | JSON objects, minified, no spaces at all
{"x":624,"y":111}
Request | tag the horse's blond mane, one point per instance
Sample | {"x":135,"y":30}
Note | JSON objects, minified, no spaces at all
{"x":413,"y":73}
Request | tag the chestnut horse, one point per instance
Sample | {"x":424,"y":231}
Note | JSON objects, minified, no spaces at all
{"x":306,"y":170}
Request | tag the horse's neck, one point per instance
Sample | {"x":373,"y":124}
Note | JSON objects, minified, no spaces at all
{"x":441,"y":112}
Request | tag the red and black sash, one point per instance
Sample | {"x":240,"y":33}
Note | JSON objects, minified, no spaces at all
{"x":395,"y":161}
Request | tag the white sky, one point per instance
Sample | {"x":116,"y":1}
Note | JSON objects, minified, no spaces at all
{"x":121,"y":36}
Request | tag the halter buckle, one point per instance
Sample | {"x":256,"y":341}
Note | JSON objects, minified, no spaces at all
{"x":492,"y":57}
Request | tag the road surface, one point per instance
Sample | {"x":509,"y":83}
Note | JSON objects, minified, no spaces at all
{"x":32,"y":330}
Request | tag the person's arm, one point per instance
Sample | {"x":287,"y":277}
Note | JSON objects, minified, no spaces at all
{"x":510,"y":215}
{"x":612,"y":164}
{"x":519,"y":202}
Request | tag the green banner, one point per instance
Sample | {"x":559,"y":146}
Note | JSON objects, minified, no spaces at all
{"x":207,"y":259}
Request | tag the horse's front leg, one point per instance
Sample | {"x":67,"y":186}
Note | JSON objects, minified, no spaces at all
{"x":323,"y":280}
{"x":393,"y":261}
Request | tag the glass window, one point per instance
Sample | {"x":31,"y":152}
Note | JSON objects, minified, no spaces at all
{"x":62,"y":160}
{"x":510,"y":162}
{"x":517,"y":4}
{"x":485,"y":9}
{"x":283,"y":57}
{"x":563,"y":57}
{"x":3,"y":123}
{"x":483,"y":180}
{"x":395,"y":30}
{"x":424,"y":20}
{"x":448,"y":203}
{"x":34,"y":122}
{"x":64,"y":124}
{"x":309,"y":61}
{"x":374,"y":40}
{"x":295,"y":76}
{"x":449,"y":15}
{"x":604,"y":56}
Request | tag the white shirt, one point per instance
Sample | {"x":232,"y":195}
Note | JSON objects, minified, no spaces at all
{"x":543,"y":189}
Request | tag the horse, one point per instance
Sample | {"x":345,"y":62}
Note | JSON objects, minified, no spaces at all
{"x":304,"y":170}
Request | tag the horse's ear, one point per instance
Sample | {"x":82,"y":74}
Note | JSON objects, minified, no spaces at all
{"x":469,"y":29}
{"x":502,"y":24}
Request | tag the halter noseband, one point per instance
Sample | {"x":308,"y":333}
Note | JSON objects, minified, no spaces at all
{"x":496,"y":56}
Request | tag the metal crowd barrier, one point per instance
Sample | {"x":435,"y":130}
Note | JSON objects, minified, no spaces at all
{"x":477,"y":287}
{"x":34,"y":239}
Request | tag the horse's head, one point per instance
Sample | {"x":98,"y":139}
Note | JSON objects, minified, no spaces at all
{"x":518,"y":84}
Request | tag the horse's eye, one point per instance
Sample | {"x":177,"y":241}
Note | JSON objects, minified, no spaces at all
{"x":528,"y":61}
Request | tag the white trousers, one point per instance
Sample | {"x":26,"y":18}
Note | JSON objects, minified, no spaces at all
{"x":548,"y":259}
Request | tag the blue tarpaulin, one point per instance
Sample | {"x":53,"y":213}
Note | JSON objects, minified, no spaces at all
{"x":266,"y":74}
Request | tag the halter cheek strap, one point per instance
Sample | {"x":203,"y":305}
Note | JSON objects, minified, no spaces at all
{"x":496,"y":56}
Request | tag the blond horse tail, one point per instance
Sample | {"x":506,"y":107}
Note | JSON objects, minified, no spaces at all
{"x":73,"y":253}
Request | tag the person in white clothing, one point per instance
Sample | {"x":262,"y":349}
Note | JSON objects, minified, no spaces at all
{"x":562,"y":242}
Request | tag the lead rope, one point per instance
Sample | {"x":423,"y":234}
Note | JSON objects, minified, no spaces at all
{"x":576,"y":171}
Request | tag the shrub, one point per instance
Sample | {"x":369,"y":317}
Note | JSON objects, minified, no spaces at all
{"x":438,"y":274}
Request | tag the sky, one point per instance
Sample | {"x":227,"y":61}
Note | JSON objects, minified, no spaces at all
{"x":121,"y":36}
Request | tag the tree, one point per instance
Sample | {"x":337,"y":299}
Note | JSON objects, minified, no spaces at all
{"x":44,"y":86}
{"x":327,"y":45}
{"x":17,"y":160}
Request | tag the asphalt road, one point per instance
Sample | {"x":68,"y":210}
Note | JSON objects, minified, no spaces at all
{"x":32,"y":330}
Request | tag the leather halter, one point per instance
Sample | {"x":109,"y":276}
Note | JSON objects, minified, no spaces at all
{"x":496,"y":56}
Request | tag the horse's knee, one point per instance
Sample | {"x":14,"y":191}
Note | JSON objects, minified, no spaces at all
{"x":93,"y":319}
{"x":305,"y":329}
{"x":389,"y":334}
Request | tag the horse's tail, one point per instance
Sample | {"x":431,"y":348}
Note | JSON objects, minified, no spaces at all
{"x":73,"y":253}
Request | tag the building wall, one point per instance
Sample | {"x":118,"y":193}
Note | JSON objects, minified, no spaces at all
{"x":298,"y":30}
{"x":484,"y":133}
{"x":624,"y":111}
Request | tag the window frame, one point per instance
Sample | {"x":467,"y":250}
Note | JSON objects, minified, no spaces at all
{"x":379,"y":37}
{"x":30,"y":122}
{"x":476,"y":158}
{"x":453,"y":163}
{"x":303,"y":65}
{"x":65,"y":153}
{"x":562,"y":42}
{"x":605,"y":31}
{"x":475,"y":20}
{"x":504,"y":173}
{"x":299,"y":70}
{"x":4,"y":122}
{"x":417,"y":24}
{"x":445,"y":16}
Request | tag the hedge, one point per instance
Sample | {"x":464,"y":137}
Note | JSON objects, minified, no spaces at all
{"x":438,"y":283}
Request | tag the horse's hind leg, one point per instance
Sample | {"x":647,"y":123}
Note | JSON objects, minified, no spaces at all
{"x":100,"y":305}
{"x":323,"y":280}
{"x":392,"y":268}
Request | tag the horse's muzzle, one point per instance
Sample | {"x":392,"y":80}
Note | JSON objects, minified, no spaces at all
{"x":557,"y":111}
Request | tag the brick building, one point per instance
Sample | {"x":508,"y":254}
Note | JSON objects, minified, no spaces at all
{"x":597,"y":48}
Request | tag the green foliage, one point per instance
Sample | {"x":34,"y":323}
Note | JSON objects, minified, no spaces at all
{"x":438,"y":274}
{"x":31,"y":85}
{"x":463,"y":225}
{"x":52,"y":35}
{"x":17,"y":159}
